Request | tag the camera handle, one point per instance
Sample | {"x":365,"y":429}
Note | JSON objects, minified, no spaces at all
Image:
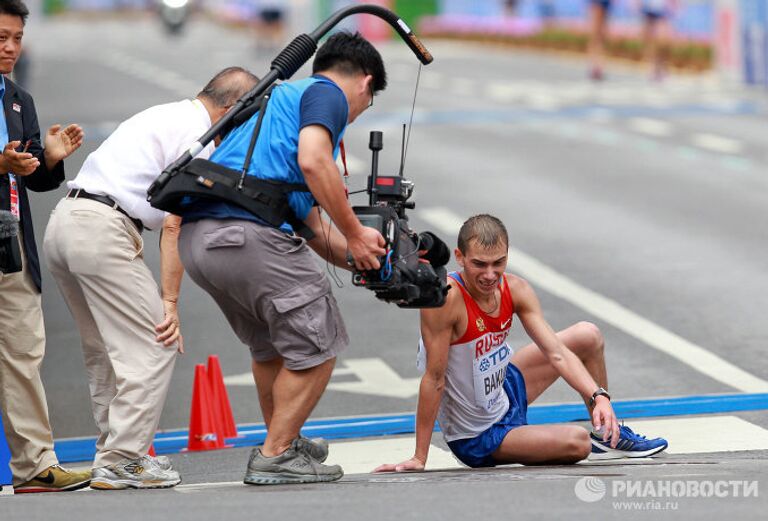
{"x":290,"y":59}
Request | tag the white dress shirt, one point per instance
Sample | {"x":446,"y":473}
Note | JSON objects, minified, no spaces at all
{"x":137,"y":152}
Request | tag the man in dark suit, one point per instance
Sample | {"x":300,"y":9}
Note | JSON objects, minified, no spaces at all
{"x":26,"y":163}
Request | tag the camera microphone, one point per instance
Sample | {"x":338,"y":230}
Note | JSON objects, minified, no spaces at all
{"x":9,"y":225}
{"x":437,"y":252}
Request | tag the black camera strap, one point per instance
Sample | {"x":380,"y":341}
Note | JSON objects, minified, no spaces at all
{"x":254,"y":136}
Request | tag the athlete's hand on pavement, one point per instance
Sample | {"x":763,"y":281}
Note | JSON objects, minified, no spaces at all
{"x":604,"y":420}
{"x":169,"y":330}
{"x":366,"y":247}
{"x":20,"y":163}
{"x":412,"y":465}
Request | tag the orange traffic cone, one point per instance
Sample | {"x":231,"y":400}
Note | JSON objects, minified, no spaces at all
{"x":152,"y":450}
{"x":202,"y":424}
{"x":220,"y":399}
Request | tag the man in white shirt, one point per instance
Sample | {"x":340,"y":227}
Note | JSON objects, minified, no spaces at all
{"x":130,"y":331}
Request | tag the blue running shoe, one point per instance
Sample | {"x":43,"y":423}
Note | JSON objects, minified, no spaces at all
{"x":630,"y":445}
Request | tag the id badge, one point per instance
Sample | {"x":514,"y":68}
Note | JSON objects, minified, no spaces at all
{"x":14,"y":195}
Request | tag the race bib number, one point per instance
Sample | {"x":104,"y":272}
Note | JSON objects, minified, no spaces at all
{"x":490,"y":368}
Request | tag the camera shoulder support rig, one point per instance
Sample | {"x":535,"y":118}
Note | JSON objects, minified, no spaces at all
{"x":204,"y":179}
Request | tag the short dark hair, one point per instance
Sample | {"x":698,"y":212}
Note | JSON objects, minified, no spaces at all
{"x":15,"y":8}
{"x":228,"y":86}
{"x":486,"y":230}
{"x":350,"y":53}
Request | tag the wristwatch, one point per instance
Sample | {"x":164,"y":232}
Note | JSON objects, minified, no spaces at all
{"x":600,"y":392}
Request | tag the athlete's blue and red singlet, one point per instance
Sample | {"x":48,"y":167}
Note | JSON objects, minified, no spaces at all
{"x":474,"y":397}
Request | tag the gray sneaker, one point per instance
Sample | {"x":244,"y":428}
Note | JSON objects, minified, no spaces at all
{"x":315,"y":447}
{"x":144,"y":472}
{"x":292,"y":466}
{"x":164,"y":462}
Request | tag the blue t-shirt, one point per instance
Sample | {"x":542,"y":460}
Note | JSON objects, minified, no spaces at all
{"x":292,"y":106}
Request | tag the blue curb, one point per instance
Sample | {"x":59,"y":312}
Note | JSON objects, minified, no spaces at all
{"x":170,"y":442}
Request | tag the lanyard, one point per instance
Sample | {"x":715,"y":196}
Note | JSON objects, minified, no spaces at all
{"x":14,"y":195}
{"x":344,"y":162}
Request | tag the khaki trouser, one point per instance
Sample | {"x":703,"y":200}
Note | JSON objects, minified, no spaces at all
{"x":95,"y":253}
{"x":22,"y":397}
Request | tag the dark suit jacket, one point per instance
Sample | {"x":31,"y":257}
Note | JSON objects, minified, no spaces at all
{"x":23,"y":126}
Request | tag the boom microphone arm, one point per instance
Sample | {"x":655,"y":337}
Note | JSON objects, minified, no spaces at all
{"x":285,"y":65}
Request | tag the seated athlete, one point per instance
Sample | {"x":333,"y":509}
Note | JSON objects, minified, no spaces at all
{"x":479,"y":391}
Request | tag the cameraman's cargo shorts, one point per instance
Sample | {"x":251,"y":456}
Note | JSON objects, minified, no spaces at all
{"x":270,"y":288}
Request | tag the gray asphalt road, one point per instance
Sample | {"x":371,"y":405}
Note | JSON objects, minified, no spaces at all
{"x":213,"y":489}
{"x":649,"y":195}
{"x":609,"y":185}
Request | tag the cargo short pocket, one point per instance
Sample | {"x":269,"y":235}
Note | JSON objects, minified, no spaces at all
{"x":305,"y":321}
{"x":226,"y":237}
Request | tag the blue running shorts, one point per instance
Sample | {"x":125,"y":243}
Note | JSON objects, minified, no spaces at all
{"x":476,"y":452}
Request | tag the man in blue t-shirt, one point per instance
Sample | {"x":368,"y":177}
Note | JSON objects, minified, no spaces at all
{"x":264,"y":278}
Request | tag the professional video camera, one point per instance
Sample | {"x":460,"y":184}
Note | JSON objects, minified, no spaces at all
{"x":403,"y":277}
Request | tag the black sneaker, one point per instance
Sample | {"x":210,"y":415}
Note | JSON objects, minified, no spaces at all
{"x":292,"y":466}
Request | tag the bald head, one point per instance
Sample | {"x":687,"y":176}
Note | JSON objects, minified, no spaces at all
{"x":227,"y":87}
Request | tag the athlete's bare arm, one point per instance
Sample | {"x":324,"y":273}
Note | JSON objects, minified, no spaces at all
{"x":567,"y":364}
{"x":438,"y":329}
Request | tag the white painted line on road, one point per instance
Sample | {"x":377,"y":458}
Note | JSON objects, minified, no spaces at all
{"x":361,"y":457}
{"x":197,"y":487}
{"x":705,"y":434}
{"x":376,"y":378}
{"x":247,"y":378}
{"x":718,"y":144}
{"x":685,"y":436}
{"x":650,"y":127}
{"x":148,"y":72}
{"x":242,"y":379}
{"x":612,"y":312}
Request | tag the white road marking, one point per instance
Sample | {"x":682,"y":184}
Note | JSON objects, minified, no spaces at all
{"x":650,"y":127}
{"x":612,"y":312}
{"x":373,"y":377}
{"x":376,"y":378}
{"x":685,"y":436}
{"x":148,"y":72}
{"x":246,"y":379}
{"x":718,"y":144}
{"x":705,"y":434}
{"x":360,"y":457}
